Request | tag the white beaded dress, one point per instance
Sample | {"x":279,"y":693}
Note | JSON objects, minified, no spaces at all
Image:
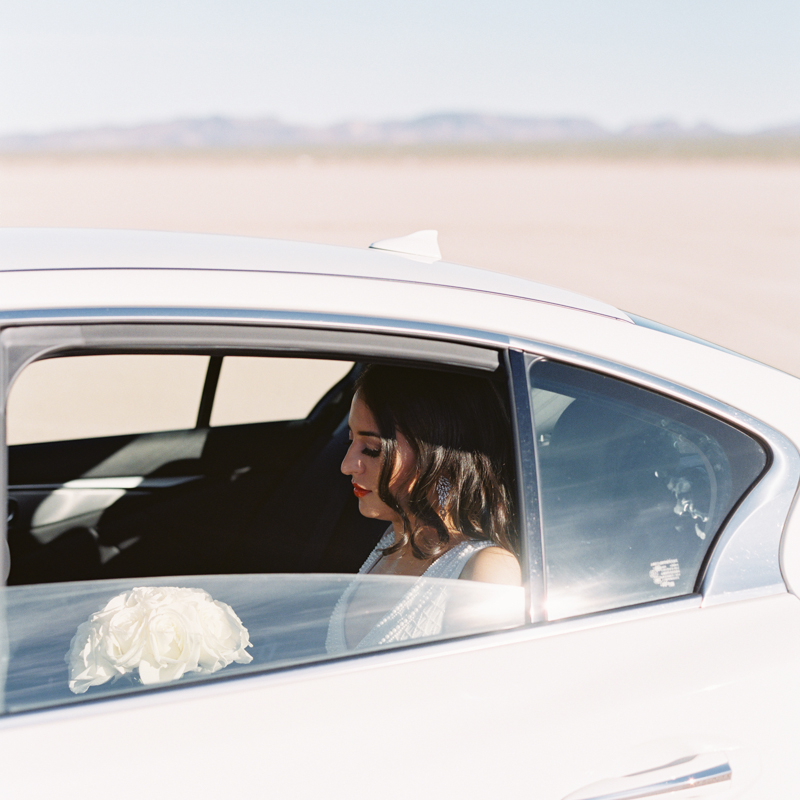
{"x":421,"y":610}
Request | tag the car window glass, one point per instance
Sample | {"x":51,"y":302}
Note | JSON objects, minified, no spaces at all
{"x":634,"y":488}
{"x":80,"y":397}
{"x":254,"y":516}
{"x":253,"y":389}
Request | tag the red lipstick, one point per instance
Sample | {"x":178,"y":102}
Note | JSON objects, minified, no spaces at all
{"x":360,"y":491}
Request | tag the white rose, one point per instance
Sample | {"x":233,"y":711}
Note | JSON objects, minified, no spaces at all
{"x":163,"y":632}
{"x":225,"y":640}
{"x":87,"y":666}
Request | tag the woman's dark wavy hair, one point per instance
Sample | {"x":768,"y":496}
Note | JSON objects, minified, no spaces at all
{"x":458,"y":428}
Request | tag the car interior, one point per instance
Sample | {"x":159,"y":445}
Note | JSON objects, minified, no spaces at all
{"x":263,"y":497}
{"x":251,"y":498}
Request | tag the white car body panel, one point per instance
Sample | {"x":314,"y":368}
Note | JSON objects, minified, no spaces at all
{"x":25,"y":250}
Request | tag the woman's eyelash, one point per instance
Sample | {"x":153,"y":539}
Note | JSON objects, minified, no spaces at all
{"x":371,"y":453}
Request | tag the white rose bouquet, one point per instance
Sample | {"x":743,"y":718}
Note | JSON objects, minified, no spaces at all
{"x":161,"y":631}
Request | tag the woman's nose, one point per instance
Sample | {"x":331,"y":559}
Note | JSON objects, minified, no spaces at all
{"x":351,"y":463}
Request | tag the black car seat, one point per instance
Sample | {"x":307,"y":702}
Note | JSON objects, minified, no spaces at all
{"x":247,"y":523}
{"x":312,"y":523}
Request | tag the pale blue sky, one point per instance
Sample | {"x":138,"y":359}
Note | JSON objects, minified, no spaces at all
{"x":733,"y":63}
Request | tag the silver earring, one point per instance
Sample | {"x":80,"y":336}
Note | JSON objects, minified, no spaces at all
{"x":443,"y":487}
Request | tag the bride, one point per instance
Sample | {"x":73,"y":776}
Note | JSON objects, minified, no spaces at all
{"x":430,"y":453}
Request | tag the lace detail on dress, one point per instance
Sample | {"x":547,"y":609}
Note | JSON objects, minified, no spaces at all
{"x":421,"y":610}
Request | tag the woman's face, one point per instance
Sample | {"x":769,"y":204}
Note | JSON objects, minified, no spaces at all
{"x":364,"y":460}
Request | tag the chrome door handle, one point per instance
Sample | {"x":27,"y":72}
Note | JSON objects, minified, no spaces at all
{"x":687,"y":773}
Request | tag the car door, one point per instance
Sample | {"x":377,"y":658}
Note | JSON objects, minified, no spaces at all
{"x":655,"y":663}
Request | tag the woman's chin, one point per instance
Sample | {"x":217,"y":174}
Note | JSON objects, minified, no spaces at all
{"x":368,"y":507}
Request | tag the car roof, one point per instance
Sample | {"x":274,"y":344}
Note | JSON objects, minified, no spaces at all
{"x":35,"y":249}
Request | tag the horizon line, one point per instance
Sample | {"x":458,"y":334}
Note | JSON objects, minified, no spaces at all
{"x":662,"y":121}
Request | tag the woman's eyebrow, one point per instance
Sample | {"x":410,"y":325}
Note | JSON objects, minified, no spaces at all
{"x":371,"y":434}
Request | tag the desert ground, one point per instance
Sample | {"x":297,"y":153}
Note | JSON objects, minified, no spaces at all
{"x":709,"y":246}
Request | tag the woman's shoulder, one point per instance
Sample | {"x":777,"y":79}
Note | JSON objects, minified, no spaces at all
{"x":493,"y":564}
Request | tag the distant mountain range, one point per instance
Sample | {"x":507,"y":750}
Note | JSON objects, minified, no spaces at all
{"x":436,"y":129}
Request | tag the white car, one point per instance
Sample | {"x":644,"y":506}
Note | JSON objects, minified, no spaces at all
{"x":173,"y":433}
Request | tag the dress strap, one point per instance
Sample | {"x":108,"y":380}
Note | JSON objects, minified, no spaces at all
{"x":387,"y":540}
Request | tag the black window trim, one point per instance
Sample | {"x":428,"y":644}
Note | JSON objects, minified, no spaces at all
{"x":209,"y":392}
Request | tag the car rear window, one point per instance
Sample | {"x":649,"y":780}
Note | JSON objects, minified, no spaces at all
{"x":635,"y":487}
